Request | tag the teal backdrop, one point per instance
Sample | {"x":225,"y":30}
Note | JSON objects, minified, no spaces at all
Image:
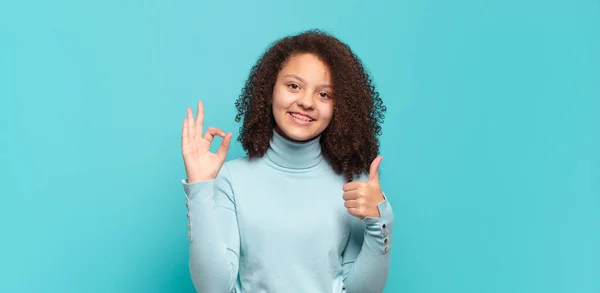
{"x":491,"y":142}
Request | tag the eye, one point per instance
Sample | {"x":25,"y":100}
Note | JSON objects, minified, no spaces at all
{"x":324,"y":95}
{"x":293,"y":86}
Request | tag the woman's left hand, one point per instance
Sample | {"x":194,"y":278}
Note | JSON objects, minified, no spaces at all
{"x":361,"y":198}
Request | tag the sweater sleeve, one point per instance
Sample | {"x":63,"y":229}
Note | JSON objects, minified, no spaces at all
{"x":214,"y":237}
{"x":366,"y":258}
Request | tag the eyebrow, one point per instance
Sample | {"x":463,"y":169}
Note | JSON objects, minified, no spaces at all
{"x":302,"y":80}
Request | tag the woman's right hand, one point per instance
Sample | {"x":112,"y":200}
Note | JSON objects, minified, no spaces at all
{"x":200,"y":163}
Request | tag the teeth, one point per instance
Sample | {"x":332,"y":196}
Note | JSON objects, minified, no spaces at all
{"x":301,"y":117}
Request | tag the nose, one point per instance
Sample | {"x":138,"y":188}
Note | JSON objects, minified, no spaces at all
{"x":306,"y":101}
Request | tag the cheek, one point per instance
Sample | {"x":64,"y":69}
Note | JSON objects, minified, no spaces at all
{"x":326,"y":112}
{"x":281,"y":99}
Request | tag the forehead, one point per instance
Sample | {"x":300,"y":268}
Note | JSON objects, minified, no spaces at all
{"x":307,"y":66}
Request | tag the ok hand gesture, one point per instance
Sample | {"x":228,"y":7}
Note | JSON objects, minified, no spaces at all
{"x":200,"y":163}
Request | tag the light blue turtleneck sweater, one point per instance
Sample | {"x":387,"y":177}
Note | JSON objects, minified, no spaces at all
{"x":278,"y":224}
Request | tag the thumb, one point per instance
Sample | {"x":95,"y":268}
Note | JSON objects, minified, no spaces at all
{"x":374,"y":172}
{"x":222,"y":151}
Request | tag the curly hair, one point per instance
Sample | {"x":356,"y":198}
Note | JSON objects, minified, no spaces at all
{"x":350,"y":142}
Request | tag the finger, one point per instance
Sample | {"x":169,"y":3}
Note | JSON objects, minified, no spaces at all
{"x":374,"y":172}
{"x":351,"y":204}
{"x":350,"y":195}
{"x":185,"y":132}
{"x":211,"y":132}
{"x":351,"y":186}
{"x":199,"y":119}
{"x":191,"y":128}
{"x":222,"y":152}
{"x":355,"y":212}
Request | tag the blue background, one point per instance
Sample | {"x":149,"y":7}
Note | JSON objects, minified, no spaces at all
{"x":491,"y":143}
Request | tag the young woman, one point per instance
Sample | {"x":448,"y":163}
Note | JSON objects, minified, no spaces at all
{"x":303,"y":211}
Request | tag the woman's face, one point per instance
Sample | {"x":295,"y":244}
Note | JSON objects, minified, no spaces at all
{"x":302,"y":98}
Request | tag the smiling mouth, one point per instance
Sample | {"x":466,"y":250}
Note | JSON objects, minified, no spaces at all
{"x":301,"y":117}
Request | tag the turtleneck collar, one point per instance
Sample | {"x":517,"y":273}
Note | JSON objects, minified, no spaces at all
{"x":293,"y":155}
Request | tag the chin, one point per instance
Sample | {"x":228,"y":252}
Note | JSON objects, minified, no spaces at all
{"x":298,"y":134}
{"x":298,"y":130}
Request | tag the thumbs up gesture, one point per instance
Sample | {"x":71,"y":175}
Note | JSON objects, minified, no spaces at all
{"x":361,"y":198}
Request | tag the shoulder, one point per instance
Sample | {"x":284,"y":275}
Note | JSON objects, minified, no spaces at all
{"x":242,"y":165}
{"x":241,"y":162}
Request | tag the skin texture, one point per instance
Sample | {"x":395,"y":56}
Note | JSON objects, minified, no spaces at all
{"x":303,"y":88}
{"x":200,"y":163}
{"x":361,"y":198}
{"x":349,"y":143}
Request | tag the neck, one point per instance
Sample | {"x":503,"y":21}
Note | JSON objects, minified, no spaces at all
{"x":294,"y":155}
